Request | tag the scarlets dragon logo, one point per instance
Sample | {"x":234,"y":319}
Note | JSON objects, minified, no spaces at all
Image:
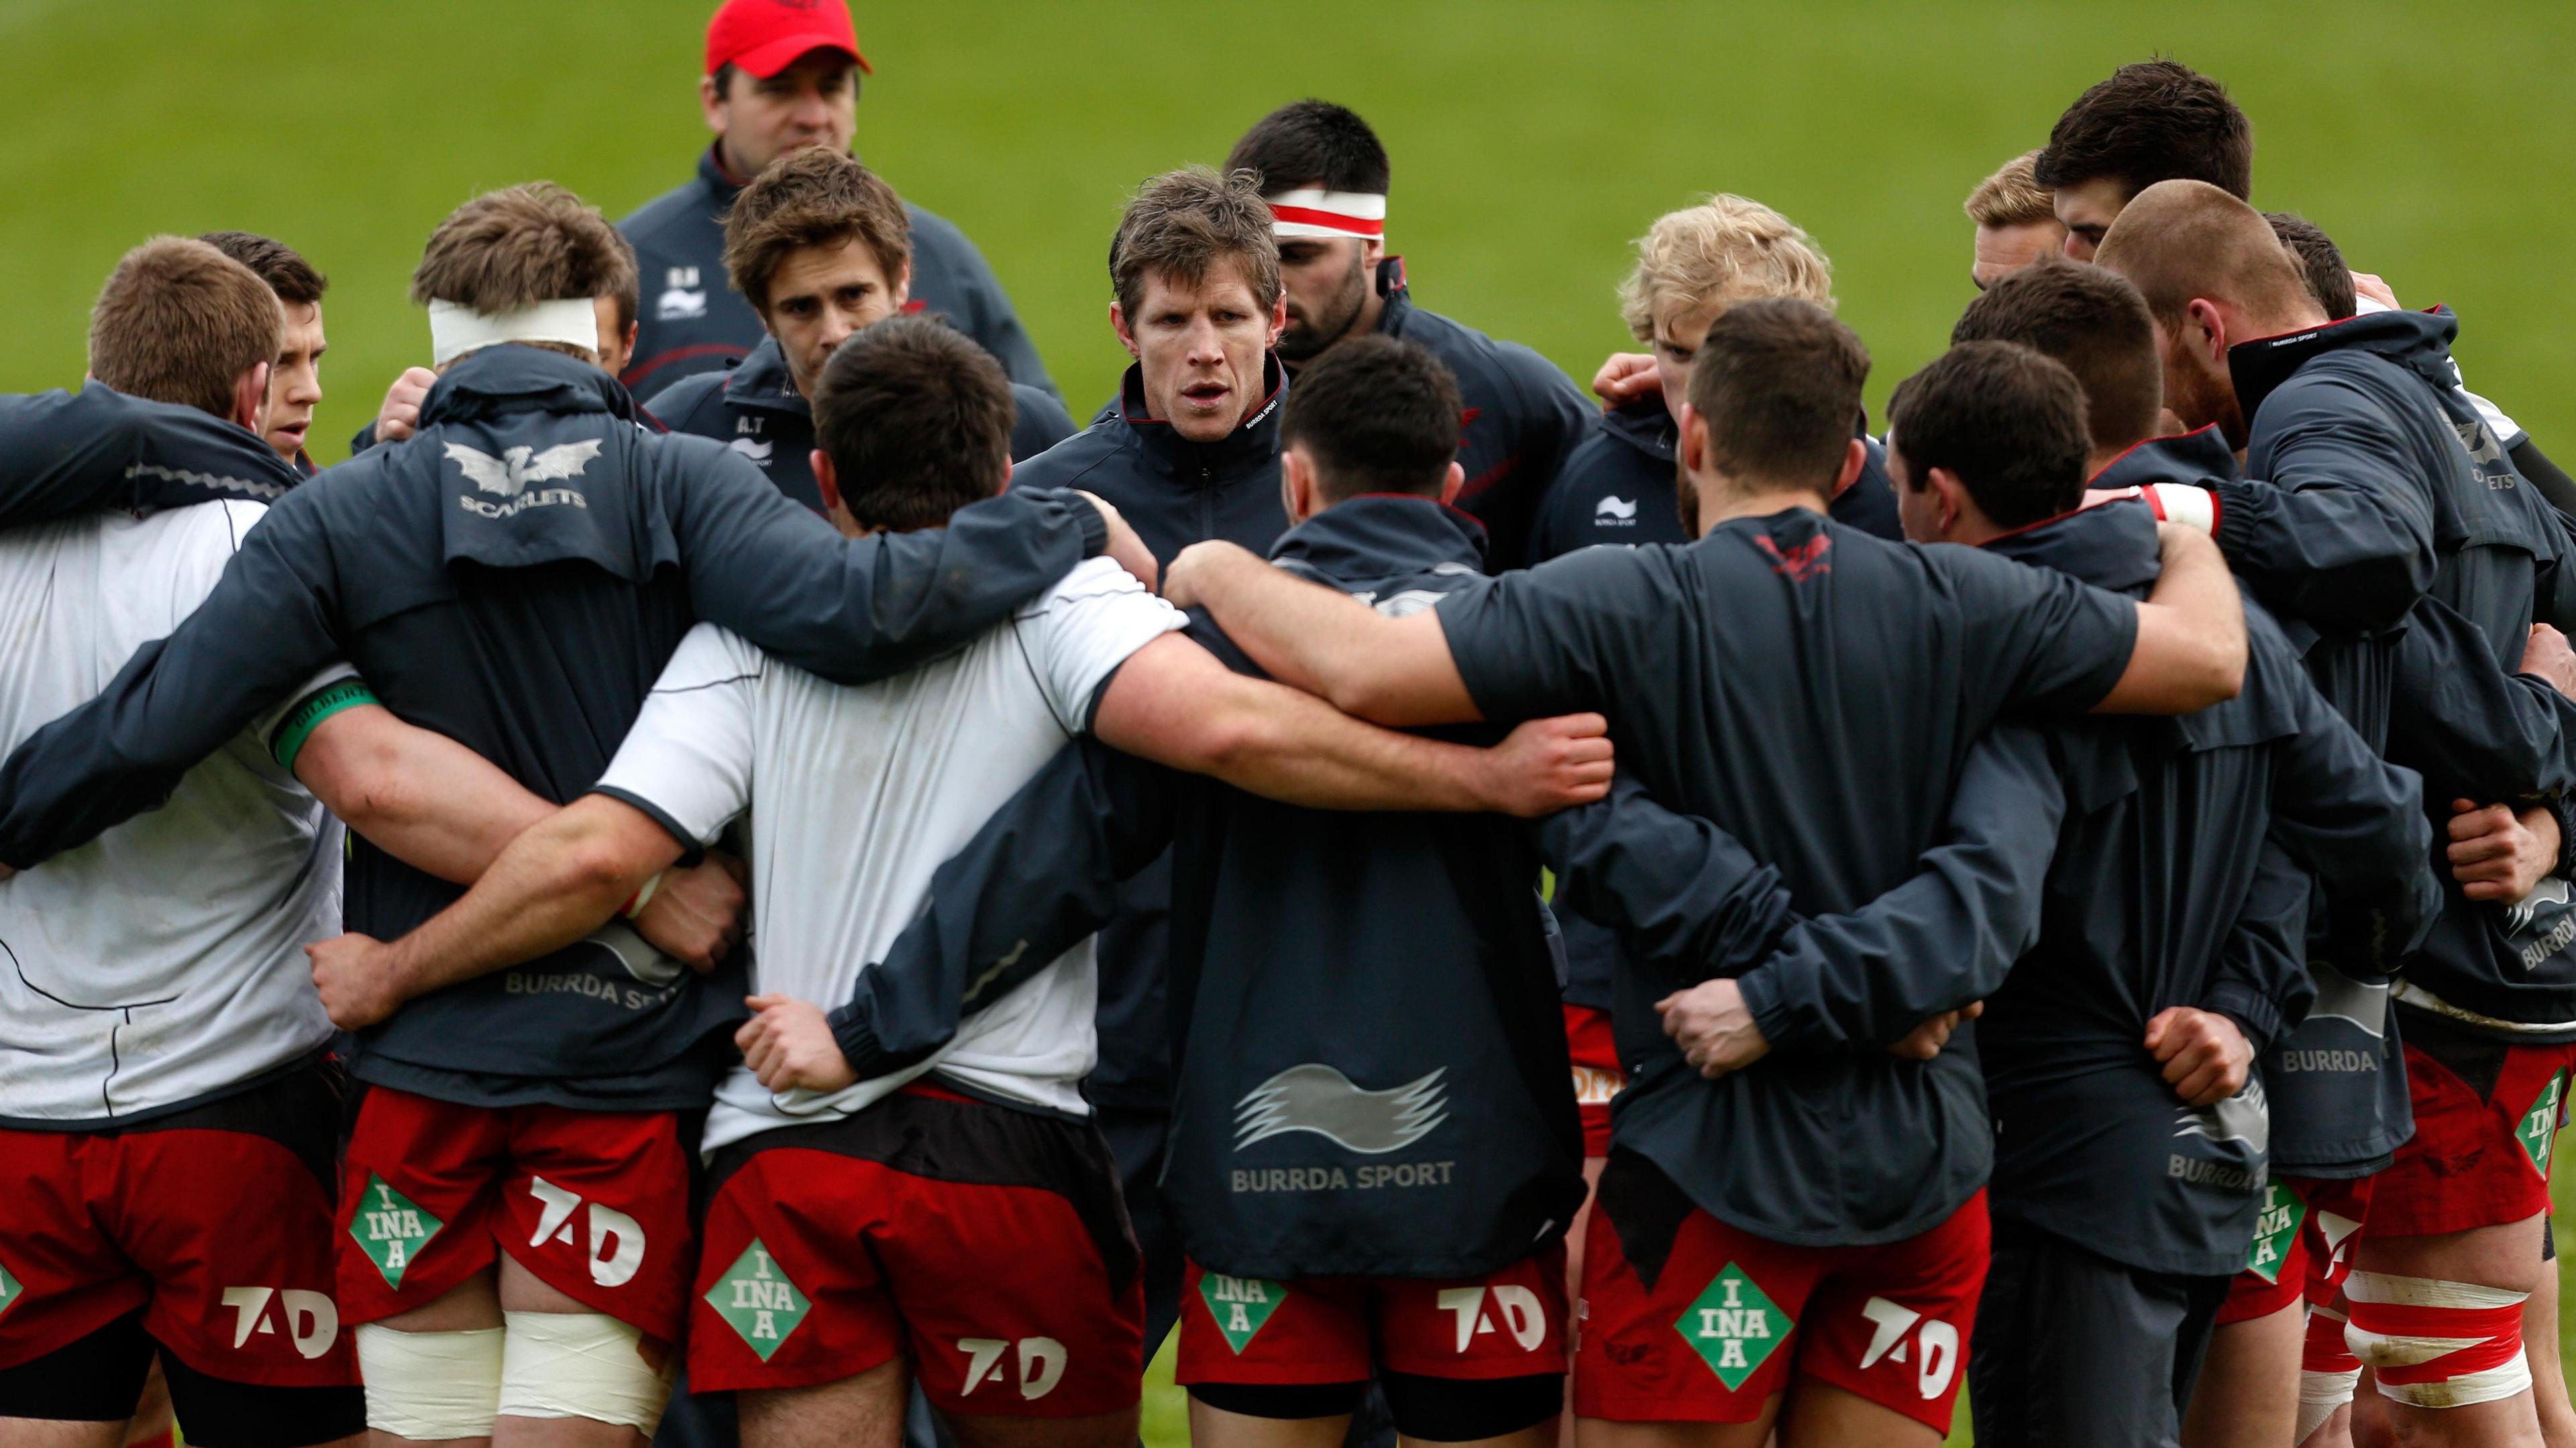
{"x":1801,"y":562}
{"x":1315,"y":1097}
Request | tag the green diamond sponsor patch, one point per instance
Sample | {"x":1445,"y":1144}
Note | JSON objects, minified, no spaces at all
{"x":391,"y":1229}
{"x":1240,"y":1305}
{"x":2539,"y":1129}
{"x":756,"y":1300}
{"x":1733,"y":1326}
{"x":2276,"y":1226}
{"x":10,"y":1289}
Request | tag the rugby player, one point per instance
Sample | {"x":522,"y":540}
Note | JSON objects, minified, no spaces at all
{"x":806,"y":1321}
{"x":2016,"y":220}
{"x":2112,"y":1261}
{"x":495,"y":578}
{"x":1691,"y":266}
{"x":783,"y":75}
{"x":819,"y":246}
{"x":1325,"y":175}
{"x":295,"y":384}
{"x":2358,"y":427}
{"x":1733,"y":724}
{"x":1190,"y":452}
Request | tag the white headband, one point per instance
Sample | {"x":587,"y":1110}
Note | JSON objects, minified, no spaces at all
{"x":456,"y":329}
{"x":1328,"y":213}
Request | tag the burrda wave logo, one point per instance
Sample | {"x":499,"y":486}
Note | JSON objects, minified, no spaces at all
{"x":1315,"y":1097}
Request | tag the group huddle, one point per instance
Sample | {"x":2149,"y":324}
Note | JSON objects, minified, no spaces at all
{"x":731,"y":848}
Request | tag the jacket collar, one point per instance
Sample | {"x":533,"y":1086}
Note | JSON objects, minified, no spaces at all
{"x":505,"y":379}
{"x":1252,"y":446}
{"x":761,"y":382}
{"x":1395,"y":299}
{"x":2112,"y":547}
{"x":2184,"y":457}
{"x":2417,"y":341}
{"x":1380,"y":535}
{"x":719,"y":180}
{"x":1646,"y":425}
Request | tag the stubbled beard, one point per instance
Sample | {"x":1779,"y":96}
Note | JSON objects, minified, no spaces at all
{"x":1303,"y":341}
{"x":2199,"y":400}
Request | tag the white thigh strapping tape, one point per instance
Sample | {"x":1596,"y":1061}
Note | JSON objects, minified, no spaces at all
{"x":579,"y":1365}
{"x":430,"y":1385}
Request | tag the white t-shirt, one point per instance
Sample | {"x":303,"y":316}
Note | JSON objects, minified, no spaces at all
{"x":858,"y":795}
{"x":162,"y":961}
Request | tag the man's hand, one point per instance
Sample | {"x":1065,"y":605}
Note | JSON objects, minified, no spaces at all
{"x":695,"y":915}
{"x":399,"y":418}
{"x":357,"y":982}
{"x":2205,"y":1055}
{"x":2497,"y":854}
{"x":1926,"y":1040}
{"x":1546,"y":765}
{"x":2375,"y":289}
{"x":789,"y":1046}
{"x":1625,"y":377}
{"x":1181,"y":585}
{"x":2546,"y":657}
{"x":1125,"y":549}
{"x":1714,"y":1030}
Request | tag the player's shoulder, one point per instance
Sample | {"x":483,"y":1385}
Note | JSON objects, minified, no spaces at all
{"x":1073,"y":462}
{"x":710,"y":656}
{"x":1094,"y":582}
{"x":655,"y":220}
{"x":691,"y":403}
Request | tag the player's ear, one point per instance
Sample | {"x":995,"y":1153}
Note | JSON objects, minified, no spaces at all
{"x":903,"y":286}
{"x":250,"y":398}
{"x":827,"y":480}
{"x":1451,"y":485}
{"x":1855,"y":458}
{"x":1278,"y":318}
{"x":1296,"y":484}
{"x":1118,"y":324}
{"x":1951,"y":496}
{"x":711,"y":104}
{"x":1694,"y":428}
{"x":2206,"y":330}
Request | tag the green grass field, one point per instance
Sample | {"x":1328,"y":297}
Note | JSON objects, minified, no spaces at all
{"x":1531,"y":141}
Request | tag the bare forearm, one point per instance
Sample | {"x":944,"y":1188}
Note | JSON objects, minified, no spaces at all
{"x":418,"y":795}
{"x":1297,"y":631}
{"x":1305,"y":752}
{"x":556,"y":883}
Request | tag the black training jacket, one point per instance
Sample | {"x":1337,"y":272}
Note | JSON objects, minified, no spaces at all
{"x":1619,"y":487}
{"x":514,"y":578}
{"x":755,"y":409}
{"x":1523,"y":416}
{"x":67,"y":453}
{"x":692,"y":320}
{"x":1174,"y":492}
{"x":2178,"y":880}
{"x":1372,"y":1071}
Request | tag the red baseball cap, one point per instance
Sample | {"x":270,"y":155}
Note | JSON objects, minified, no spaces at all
{"x":765,"y":37}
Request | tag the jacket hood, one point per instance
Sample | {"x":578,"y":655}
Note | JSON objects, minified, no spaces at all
{"x":2112,"y":547}
{"x":2197,"y":458}
{"x":506,"y":379}
{"x":2417,"y":341}
{"x":1384,"y":535}
{"x":1253,"y":445}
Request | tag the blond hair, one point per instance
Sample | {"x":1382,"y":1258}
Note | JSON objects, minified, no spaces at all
{"x":1724,"y":250}
{"x":2012,"y":196}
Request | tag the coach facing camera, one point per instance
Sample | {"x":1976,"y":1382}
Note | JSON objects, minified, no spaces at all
{"x":783,"y":75}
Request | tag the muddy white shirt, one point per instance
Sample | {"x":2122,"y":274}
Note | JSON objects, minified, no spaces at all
{"x":856,"y":796}
{"x":163,"y":961}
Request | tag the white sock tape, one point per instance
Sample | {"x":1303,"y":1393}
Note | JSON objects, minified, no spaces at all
{"x":2319,"y":1395}
{"x":455,"y":329}
{"x":2456,"y":1323}
{"x":430,"y":1385}
{"x":2194,"y":508}
{"x":579,"y":1365}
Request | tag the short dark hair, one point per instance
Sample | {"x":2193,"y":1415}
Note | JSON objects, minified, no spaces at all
{"x":287,"y":273}
{"x":2329,"y":279}
{"x":808,"y":198}
{"x":1379,"y":415}
{"x":2007,"y":420}
{"x":180,"y":322}
{"x":1312,"y":143}
{"x":521,"y":245}
{"x":917,"y":421}
{"x":2096,"y":325}
{"x":2156,"y":120}
{"x":1182,"y":223}
{"x":1779,"y":382}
